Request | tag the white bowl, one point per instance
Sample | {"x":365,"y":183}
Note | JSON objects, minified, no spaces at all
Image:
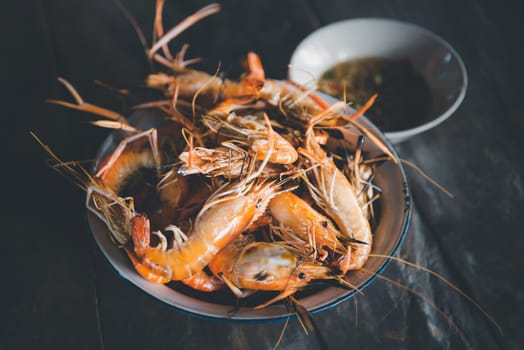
{"x":431,"y":57}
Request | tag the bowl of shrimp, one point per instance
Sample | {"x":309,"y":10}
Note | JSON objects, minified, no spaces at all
{"x":235,"y":230}
{"x":245,"y":199}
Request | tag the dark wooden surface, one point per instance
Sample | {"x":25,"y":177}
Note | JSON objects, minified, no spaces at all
{"x":59,"y":291}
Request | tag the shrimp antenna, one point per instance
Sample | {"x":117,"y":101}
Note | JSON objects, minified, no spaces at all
{"x":107,"y":206}
{"x":344,"y":282}
{"x":306,"y":321}
{"x":78,"y":175}
{"x":312,"y":80}
{"x":427,"y":177}
{"x":417,"y":169}
{"x":426,"y":300}
{"x":138,"y":31}
{"x":364,"y":108}
{"x":205,"y":85}
{"x":449,"y":284}
{"x":158,"y":28}
{"x":281,"y":336}
{"x":183,"y":25}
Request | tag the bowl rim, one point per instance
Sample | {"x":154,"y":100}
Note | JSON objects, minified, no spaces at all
{"x":142,"y":284}
{"x":402,"y":134}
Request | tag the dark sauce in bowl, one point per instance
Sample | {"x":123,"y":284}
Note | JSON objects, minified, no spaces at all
{"x":404,"y":96}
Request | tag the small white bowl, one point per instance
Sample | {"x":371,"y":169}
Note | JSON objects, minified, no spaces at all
{"x":431,"y":57}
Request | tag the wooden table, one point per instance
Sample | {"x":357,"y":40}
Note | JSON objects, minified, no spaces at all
{"x":60,"y":291}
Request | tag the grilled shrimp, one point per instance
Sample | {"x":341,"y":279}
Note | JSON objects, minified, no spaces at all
{"x":332,"y":191}
{"x":141,"y":239}
{"x":302,"y":107}
{"x":231,"y":160}
{"x":228,"y":160}
{"x":224,"y":216}
{"x":196,"y":85}
{"x":302,"y":224}
{"x":132,"y":169}
{"x":250,"y":128}
{"x":265,"y":266}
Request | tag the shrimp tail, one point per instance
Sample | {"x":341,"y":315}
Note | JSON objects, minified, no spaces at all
{"x":144,"y":270}
{"x":141,"y":228}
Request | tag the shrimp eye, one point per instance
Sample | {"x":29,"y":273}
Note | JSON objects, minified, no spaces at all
{"x":301,"y":275}
{"x":325,"y":223}
{"x":261,"y":276}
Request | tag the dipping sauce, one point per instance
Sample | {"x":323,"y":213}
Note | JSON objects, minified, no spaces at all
{"x":404,"y":97}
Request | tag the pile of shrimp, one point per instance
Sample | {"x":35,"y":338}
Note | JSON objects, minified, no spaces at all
{"x":237,"y":188}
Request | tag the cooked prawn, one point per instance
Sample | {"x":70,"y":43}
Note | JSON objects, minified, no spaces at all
{"x":265,"y":266}
{"x":200,"y":281}
{"x":297,"y":218}
{"x":228,"y":160}
{"x":332,"y":191}
{"x":249,"y":128}
{"x":141,"y":238}
{"x":224,"y":216}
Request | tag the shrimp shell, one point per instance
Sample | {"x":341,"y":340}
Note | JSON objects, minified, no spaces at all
{"x":333,"y":192}
{"x":266,"y":266}
{"x":220,"y":221}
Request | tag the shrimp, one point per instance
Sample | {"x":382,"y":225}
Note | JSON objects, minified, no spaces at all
{"x":228,"y":160}
{"x":127,"y":158}
{"x":225,"y":215}
{"x":141,"y":238}
{"x":184,"y":82}
{"x":249,"y":128}
{"x":308,"y":225}
{"x":204,"y":88}
{"x":119,"y":215}
{"x":200,"y":281}
{"x":116,"y":212}
{"x":296,"y":106}
{"x":231,"y":160}
{"x":300,"y":106}
{"x":133,"y":169}
{"x":332,"y":191}
{"x":144,"y":270}
{"x":192,"y":84}
{"x":265,"y":266}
